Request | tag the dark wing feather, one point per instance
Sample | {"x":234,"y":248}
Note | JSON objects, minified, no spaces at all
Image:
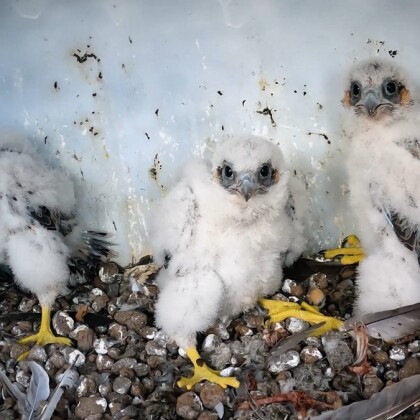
{"x":93,"y":248}
{"x":52,"y":220}
{"x":405,"y":231}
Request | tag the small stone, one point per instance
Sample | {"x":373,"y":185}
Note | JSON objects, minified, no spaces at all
{"x":148,"y":384}
{"x":329,"y":373}
{"x":297,"y":290}
{"x":295,"y":325}
{"x":150,"y":290}
{"x":133,"y":320}
{"x":219,"y":328}
{"x":73,"y":356}
{"x":211,"y":342}
{"x":229,"y":371}
{"x":153,"y":348}
{"x":381,"y":357}
{"x":155,"y":361}
{"x":137,"y":390}
{"x":37,"y":354}
{"x":319,"y":280}
{"x":104,"y":362}
{"x":115,"y":407}
{"x":102,"y":345}
{"x":17,"y":349}
{"x":371,"y":385}
{"x":208,"y":415}
{"x":309,"y":377}
{"x":221,"y":356}
{"x":63,"y":323}
{"x":391,"y":375}
{"x":211,"y":394}
{"x":243,"y":330}
{"x":287,"y":285}
{"x":121,"y":385}
{"x":118,"y":332}
{"x":414,"y":346}
{"x":141,"y":369}
{"x":376,"y":345}
{"x":124,"y":363}
{"x":115,"y":397}
{"x":313,"y":341}
{"x":310,"y":354}
{"x":337,"y":351}
{"x":89,"y":406}
{"x":11,"y":364}
{"x":85,"y":337}
{"x":148,"y":332}
{"x":86,"y":387}
{"x":100,"y":303}
{"x":22,"y":378}
{"x":26,"y":304}
{"x":22,"y":327}
{"x":161,"y":338}
{"x":105,"y":388}
{"x":398,"y":353}
{"x":108,"y":273}
{"x":411,"y":367}
{"x":316,"y":297}
{"x":188,"y":405}
{"x":57,"y":360}
{"x":285,"y":361}
{"x":253,"y":321}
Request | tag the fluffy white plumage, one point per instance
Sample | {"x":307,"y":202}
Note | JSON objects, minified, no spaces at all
{"x":225,"y":251}
{"x":384,"y":169}
{"x":39,"y":235}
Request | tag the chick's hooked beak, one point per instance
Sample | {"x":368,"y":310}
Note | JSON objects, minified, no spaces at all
{"x":371,"y":102}
{"x":246,"y":185}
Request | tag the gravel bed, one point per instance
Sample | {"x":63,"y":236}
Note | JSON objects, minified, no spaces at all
{"x":127,"y":369}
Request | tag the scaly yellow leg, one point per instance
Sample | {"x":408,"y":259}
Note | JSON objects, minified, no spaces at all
{"x":278,"y":311}
{"x":350,"y":252}
{"x":44,"y":335}
{"x":203,"y":372}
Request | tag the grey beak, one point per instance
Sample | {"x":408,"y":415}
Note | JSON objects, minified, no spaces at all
{"x":371,"y":102}
{"x":246,"y":185}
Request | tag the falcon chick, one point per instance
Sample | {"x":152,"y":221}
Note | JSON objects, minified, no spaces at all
{"x":222,"y":235}
{"x":39,"y":234}
{"x":383,"y":165}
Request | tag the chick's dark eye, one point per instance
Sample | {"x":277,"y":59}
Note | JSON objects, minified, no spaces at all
{"x":355,"y":89}
{"x":391,"y":88}
{"x":265,"y":171}
{"x":227,"y":171}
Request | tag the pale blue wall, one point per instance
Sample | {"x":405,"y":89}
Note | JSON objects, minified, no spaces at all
{"x":182,"y":53}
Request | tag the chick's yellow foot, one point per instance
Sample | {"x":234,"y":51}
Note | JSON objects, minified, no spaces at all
{"x":350,"y":251}
{"x":278,"y":311}
{"x":44,"y":336}
{"x":203,"y":372}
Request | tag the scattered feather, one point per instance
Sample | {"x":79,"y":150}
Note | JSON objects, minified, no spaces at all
{"x":29,"y":404}
{"x":387,"y":404}
{"x":389,"y":325}
{"x":293,"y":340}
{"x":68,"y":380}
{"x":38,"y":390}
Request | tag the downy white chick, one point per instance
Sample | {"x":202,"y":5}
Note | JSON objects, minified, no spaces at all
{"x":222,"y":235}
{"x":39,"y":234}
{"x":383,"y":165}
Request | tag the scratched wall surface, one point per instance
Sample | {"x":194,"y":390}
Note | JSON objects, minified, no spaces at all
{"x":121,"y":93}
